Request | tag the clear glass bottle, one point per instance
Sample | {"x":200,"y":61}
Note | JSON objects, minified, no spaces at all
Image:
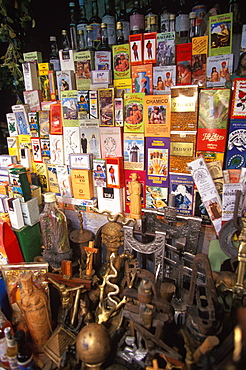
{"x":83,"y":21}
{"x":95,"y":22}
{"x":149,"y":13}
{"x":12,"y":349}
{"x":103,"y":45}
{"x":153,"y":24}
{"x":54,"y":55}
{"x":124,"y":19}
{"x":119,"y":34}
{"x":164,"y":17}
{"x":81,"y":40}
{"x":109,"y":19}
{"x":192,"y":26}
{"x":72,"y":27}
{"x":234,"y":8}
{"x":4,"y":323}
{"x":89,"y":38}
{"x":171,"y":22}
{"x":65,"y":45}
{"x":24,"y":354}
{"x":53,"y":224}
{"x":136,"y":17}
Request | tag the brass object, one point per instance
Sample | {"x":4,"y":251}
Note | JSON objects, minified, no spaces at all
{"x":81,"y":236}
{"x":112,"y":237}
{"x":58,"y":343}
{"x":34,"y":305}
{"x":167,"y":290}
{"x":93,"y":345}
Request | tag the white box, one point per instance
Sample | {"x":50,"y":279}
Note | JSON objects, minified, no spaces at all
{"x":12,"y":125}
{"x":110,"y":199}
{"x":30,"y":212}
{"x":66,"y":63}
{"x":15,"y":213}
{"x":30,"y":76}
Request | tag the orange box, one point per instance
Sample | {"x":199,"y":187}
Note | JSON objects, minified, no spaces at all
{"x":82,"y":184}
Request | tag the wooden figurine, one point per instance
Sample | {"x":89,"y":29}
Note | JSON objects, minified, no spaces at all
{"x":135,"y":197}
{"x":34,"y":305}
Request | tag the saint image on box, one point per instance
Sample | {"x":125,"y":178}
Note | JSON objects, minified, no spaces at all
{"x":121,"y":62}
{"x":83,"y":141}
{"x":220,"y":34}
{"x":23,"y":127}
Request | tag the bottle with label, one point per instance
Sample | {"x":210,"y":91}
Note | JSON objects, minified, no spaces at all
{"x":81,"y":40}
{"x":124,"y":19}
{"x":119,"y":34}
{"x":53,"y":224}
{"x":12,"y":349}
{"x":153,"y":24}
{"x":65,"y":45}
{"x":104,"y":45}
{"x":182,"y":27}
{"x":24,"y":354}
{"x":192,"y":26}
{"x":148,"y":14}
{"x":83,"y":21}
{"x":54,"y":55}
{"x":164,"y":17}
{"x":109,"y":19}
{"x":171,"y":22}
{"x":136,"y":17}
{"x":95,"y":22}
{"x":72,"y":27}
{"x":89,"y":38}
{"x":4,"y":323}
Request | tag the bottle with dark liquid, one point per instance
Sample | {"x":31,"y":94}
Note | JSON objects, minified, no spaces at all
{"x":72,"y":27}
{"x":65,"y":45}
{"x":104,"y":45}
{"x":24,"y":353}
{"x":124,"y":19}
{"x":136,"y":17}
{"x":95,"y":22}
{"x":54,"y":55}
{"x":83,"y":21}
{"x":109,"y":19}
{"x":119,"y":34}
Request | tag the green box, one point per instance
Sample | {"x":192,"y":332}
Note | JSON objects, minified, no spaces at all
{"x":30,"y":241}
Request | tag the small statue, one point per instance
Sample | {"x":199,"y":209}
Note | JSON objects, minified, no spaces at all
{"x":34,"y":305}
{"x":112,"y":237}
{"x":135,"y":197}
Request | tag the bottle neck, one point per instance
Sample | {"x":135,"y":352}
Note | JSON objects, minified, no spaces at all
{"x":65,"y":43}
{"x":94,"y":9}
{"x":72,"y":17}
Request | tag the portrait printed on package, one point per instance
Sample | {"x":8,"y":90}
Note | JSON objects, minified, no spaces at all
{"x":106,"y":107}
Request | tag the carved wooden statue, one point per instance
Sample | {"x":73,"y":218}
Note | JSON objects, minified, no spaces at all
{"x":34,"y":305}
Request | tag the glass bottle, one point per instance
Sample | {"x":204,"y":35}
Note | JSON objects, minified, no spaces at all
{"x":54,"y":55}
{"x":24,"y":353}
{"x":182,"y":27}
{"x":171,"y":22}
{"x":53,"y":224}
{"x":65,"y":45}
{"x":201,"y":9}
{"x":119,"y":34}
{"x":83,"y":21}
{"x":192,"y":26}
{"x":136,"y":17}
{"x":109,"y":19}
{"x":236,"y":11}
{"x":4,"y":323}
{"x":89,"y":38}
{"x":72,"y":27}
{"x":95,"y":22}
{"x":153,"y":24}
{"x":124,"y":19}
{"x":164,"y":18}
{"x":12,"y":349}
{"x":81,"y":40}
{"x":135,"y":30}
{"x":149,"y":13}
{"x":103,"y":45}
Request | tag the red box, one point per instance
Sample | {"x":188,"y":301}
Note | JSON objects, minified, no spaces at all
{"x":115,"y":172}
{"x":136,"y":49}
{"x":56,"y":119}
{"x":149,"y":51}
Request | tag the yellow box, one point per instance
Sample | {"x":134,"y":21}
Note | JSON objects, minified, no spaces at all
{"x":82,"y":184}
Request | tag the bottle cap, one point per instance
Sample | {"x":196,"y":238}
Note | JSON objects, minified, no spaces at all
{"x":49,"y":197}
{"x":103,"y":25}
{"x":192,"y":15}
{"x":64,"y":32}
{"x":119,"y":26}
{"x":171,"y":16}
{"x":89,"y":28}
{"x":52,"y":38}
